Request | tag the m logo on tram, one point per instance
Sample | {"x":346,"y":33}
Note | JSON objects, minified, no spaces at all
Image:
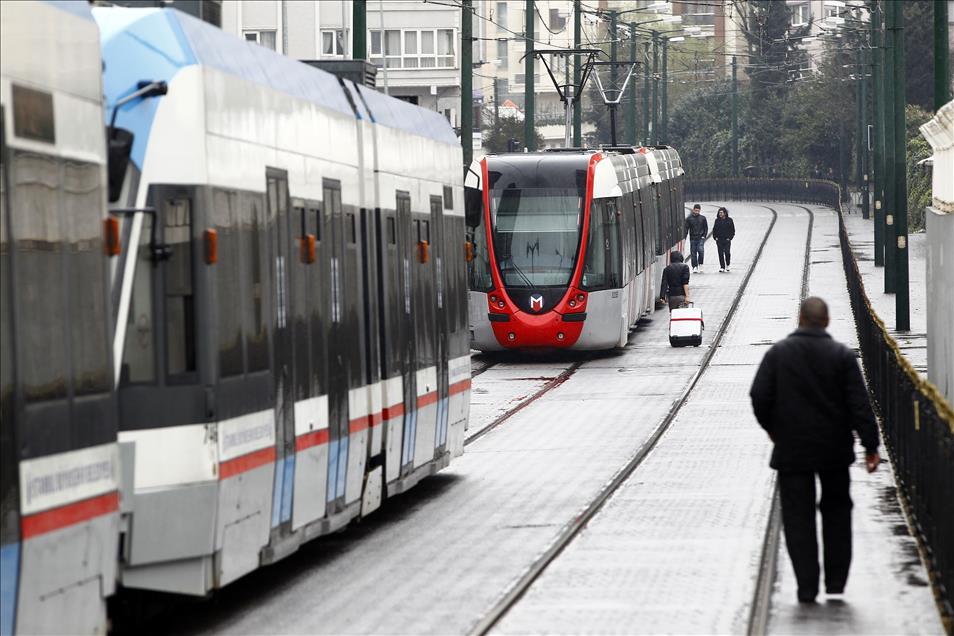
{"x":536,"y":303}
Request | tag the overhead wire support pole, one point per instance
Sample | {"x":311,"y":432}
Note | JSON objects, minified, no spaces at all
{"x":735,"y":120}
{"x":902,"y":291}
{"x":890,"y":147}
{"x":359,"y":30}
{"x":655,"y":111}
{"x":617,"y":93}
{"x":645,"y":93}
{"x":614,"y":47}
{"x":877,"y":69}
{"x":529,"y":130}
{"x":942,"y":55}
{"x":631,"y":133}
{"x":865,"y":150}
{"x":569,"y":92}
{"x":577,"y":74}
{"x":664,"y":125}
{"x":467,"y":81}
{"x":859,"y":125}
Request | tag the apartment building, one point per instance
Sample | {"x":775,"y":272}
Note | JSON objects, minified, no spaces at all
{"x":415,"y":45}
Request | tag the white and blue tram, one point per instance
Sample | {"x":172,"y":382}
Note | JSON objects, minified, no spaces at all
{"x":59,"y":521}
{"x":282,"y":337}
{"x":568,"y":245}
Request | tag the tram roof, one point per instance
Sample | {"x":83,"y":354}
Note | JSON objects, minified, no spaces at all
{"x":163,"y":41}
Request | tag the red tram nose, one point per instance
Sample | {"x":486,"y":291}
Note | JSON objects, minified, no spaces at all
{"x":527,"y":319}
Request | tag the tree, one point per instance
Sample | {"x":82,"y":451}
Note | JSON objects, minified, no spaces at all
{"x":497,"y":135}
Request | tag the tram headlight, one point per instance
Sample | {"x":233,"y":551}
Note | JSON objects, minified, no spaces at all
{"x":501,"y":304}
{"x":580,"y":297}
{"x":559,"y":335}
{"x":572,"y":303}
{"x":493,"y":299}
{"x":511,"y":336}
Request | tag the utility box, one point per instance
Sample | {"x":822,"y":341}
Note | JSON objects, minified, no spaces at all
{"x":358,"y":71}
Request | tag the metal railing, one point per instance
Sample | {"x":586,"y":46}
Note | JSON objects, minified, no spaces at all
{"x":917,"y":423}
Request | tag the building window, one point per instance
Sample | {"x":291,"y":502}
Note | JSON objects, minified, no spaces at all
{"x":832,"y":12}
{"x":502,"y":53}
{"x":333,"y":43}
{"x":263,"y":38}
{"x":557,"y":23}
{"x":502,"y":15}
{"x":801,"y":13}
{"x":413,"y":48}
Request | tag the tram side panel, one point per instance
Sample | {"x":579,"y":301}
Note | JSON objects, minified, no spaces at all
{"x":60,"y":474}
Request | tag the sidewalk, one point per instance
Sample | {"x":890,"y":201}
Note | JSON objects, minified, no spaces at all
{"x":914,"y":342}
{"x":888,"y":590}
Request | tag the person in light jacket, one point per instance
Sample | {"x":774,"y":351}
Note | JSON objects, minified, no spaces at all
{"x":723,"y":231}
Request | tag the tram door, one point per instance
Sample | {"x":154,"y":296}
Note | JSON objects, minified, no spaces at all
{"x":437,"y":250}
{"x":283,"y":366}
{"x":338,"y":370}
{"x":406,"y":249}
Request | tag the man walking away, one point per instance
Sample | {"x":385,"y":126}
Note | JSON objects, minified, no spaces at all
{"x":809,"y":396}
{"x":723,"y":231}
{"x":675,"y":282}
{"x":697,"y":228}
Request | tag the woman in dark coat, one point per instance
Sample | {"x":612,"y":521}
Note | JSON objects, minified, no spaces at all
{"x":723,"y":232}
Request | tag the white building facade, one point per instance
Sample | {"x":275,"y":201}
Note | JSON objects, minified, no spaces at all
{"x":415,"y":45}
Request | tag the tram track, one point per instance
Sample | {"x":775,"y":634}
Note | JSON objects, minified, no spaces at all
{"x":768,"y":563}
{"x":572,"y":529}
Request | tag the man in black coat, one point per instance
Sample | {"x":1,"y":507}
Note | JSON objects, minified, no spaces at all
{"x":809,"y":396}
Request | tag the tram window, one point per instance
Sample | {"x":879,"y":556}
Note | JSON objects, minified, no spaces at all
{"x":253,"y":247}
{"x":448,"y":198}
{"x":426,"y":231}
{"x":479,"y":277}
{"x":180,"y":306}
{"x":392,"y":231}
{"x":601,"y":269}
{"x":227,"y":273}
{"x":139,"y":353}
{"x":6,"y":326}
{"x":82,"y":205}
{"x":316,"y":230}
{"x":38,"y":246}
{"x":352,"y":231}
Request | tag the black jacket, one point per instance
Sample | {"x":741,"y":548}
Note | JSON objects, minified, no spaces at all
{"x":697,"y":226}
{"x":674,"y":276}
{"x":809,"y":395}
{"x":723,"y":229}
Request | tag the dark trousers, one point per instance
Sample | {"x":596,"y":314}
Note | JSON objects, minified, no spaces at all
{"x":797,"y":490}
{"x":724,"y":246}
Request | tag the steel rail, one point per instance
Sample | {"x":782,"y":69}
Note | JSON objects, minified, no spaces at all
{"x":571,"y":530}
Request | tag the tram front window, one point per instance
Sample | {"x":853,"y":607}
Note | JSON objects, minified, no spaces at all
{"x":536,"y":235}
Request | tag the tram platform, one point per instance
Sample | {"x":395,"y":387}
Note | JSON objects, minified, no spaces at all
{"x":626,"y":493}
{"x":912,"y":343}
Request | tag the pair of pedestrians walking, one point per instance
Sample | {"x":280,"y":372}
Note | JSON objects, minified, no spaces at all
{"x":723,"y":231}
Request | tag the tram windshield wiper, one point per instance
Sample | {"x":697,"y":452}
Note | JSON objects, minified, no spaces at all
{"x":512,"y":266}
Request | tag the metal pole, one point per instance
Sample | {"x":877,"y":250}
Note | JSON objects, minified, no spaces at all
{"x":577,"y":73}
{"x":890,"y":182}
{"x":865,"y":168}
{"x":467,"y":81}
{"x":496,"y":107}
{"x":877,"y":68}
{"x":631,"y":107}
{"x":384,"y":47}
{"x":646,"y":93}
{"x":859,"y":122}
{"x":655,"y":116}
{"x":942,"y":55}
{"x":614,"y":49}
{"x":901,"y":298}
{"x":664,"y":123}
{"x":359,"y":30}
{"x":529,"y":131}
{"x":735,"y":120}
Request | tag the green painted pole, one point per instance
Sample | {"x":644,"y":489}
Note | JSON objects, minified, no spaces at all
{"x":902,"y":303}
{"x":646,"y":93}
{"x":655,"y":115}
{"x":735,"y":120}
{"x":467,"y":81}
{"x":664,"y":123}
{"x":577,"y":74}
{"x":529,"y":130}
{"x":942,"y":55}
{"x":865,"y":168}
{"x":359,"y":30}
{"x":631,"y":106}
{"x":877,"y":70}
{"x":859,"y":122}
{"x":890,"y":182}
